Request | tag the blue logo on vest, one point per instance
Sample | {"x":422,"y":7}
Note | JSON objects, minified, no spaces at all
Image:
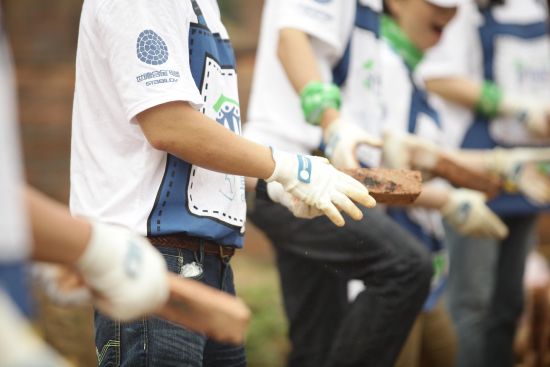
{"x":151,"y":48}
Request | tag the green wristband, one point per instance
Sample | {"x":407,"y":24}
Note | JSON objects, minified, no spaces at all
{"x":316,"y":97}
{"x":544,"y":168}
{"x":490,"y":99}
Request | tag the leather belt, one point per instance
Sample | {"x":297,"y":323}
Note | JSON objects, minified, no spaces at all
{"x":192,"y":243}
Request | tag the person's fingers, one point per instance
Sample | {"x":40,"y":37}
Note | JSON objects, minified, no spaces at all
{"x":495,"y":227}
{"x":356,"y":191}
{"x":347,"y":206}
{"x":332,"y":213}
{"x":350,"y":160}
{"x":371,"y":141}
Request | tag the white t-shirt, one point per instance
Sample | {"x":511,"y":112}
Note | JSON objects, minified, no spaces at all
{"x":275,"y":117}
{"x":133,"y":55}
{"x":517,"y":58}
{"x":14,"y":242}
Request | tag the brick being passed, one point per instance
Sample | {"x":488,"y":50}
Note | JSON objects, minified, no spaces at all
{"x":390,"y":186}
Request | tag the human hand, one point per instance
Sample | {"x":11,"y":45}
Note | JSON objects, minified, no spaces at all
{"x":341,"y":140}
{"x":466,"y":211}
{"x":521,"y":170}
{"x":127,"y":275}
{"x":318,"y":184}
{"x":533,"y":114}
{"x":61,"y":284}
{"x":299,"y":208}
{"x":206,"y":310}
{"x":406,"y":151}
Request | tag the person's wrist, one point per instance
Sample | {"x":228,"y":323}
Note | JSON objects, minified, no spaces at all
{"x":316,"y":98}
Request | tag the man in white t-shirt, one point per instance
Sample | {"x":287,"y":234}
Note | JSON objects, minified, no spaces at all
{"x":122,"y":286}
{"x":301,"y":44}
{"x":156,"y":148}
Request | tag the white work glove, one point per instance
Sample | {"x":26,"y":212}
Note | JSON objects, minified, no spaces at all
{"x":63,"y":285}
{"x":126,"y":273}
{"x":534,"y":115}
{"x":519,"y":167}
{"x":318,"y":184}
{"x":466,"y":212}
{"x":406,"y":151}
{"x":341,"y":142}
{"x":300,"y":209}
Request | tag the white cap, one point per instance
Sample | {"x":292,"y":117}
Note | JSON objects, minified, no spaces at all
{"x":446,"y":3}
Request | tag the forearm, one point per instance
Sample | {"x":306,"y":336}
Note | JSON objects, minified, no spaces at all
{"x":462,"y":91}
{"x":432,"y":197}
{"x":180,"y":130}
{"x":58,"y":237}
{"x":300,"y":65}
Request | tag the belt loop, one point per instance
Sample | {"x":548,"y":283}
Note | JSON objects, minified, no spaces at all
{"x":225,"y":258}
{"x":201,"y":250}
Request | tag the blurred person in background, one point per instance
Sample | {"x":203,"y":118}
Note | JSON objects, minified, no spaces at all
{"x":156,"y":148}
{"x":295,"y":106}
{"x":492,"y":70}
{"x":19,"y":345}
{"x":408,"y":28}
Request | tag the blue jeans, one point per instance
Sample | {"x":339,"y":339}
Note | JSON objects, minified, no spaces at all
{"x":158,"y":343}
{"x":485,"y":292}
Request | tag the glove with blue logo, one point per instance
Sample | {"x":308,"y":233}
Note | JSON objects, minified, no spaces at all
{"x":534,"y":115}
{"x":522,"y":170}
{"x":318,"y":184}
{"x":466,"y":211}
{"x":341,"y":141}
{"x":128,"y":277}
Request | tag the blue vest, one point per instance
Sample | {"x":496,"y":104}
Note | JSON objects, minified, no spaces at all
{"x":170,"y":214}
{"x":477,"y":136}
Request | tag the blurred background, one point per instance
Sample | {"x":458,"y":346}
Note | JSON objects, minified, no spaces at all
{"x":43,"y":37}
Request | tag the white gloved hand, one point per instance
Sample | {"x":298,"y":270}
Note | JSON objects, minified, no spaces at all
{"x":466,"y":212}
{"x":406,"y":151}
{"x":63,"y":285}
{"x":534,"y":115}
{"x":318,"y":184}
{"x":341,"y":141}
{"x":299,"y":208}
{"x":127,"y":275}
{"x":519,"y":167}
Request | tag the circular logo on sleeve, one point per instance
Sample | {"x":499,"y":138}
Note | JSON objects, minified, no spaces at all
{"x":151,"y":48}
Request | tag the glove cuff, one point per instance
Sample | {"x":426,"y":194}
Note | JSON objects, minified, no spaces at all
{"x":94,"y":260}
{"x":290,"y":168}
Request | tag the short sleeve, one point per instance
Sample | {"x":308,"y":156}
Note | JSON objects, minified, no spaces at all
{"x":328,"y":21}
{"x":146,"y":46}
